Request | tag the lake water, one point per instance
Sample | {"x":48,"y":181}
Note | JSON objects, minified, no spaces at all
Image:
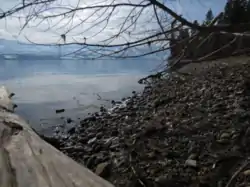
{"x":41,"y":87}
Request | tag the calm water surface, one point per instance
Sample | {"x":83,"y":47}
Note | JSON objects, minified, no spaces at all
{"x":41,"y":87}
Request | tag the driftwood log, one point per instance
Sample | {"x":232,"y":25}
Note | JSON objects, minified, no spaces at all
{"x":28,"y":161}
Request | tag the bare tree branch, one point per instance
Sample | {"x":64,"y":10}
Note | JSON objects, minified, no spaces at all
{"x":120,"y":28}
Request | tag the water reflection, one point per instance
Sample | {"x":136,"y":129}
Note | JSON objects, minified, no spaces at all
{"x":41,"y":87}
{"x":12,"y":68}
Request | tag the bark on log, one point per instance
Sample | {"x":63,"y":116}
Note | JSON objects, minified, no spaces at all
{"x":28,"y":161}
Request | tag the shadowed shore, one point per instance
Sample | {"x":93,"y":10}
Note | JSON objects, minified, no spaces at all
{"x":182,"y":130}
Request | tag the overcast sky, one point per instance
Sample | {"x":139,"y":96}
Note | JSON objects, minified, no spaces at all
{"x":10,"y":27}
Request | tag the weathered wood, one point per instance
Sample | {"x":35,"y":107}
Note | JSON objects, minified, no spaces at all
{"x":28,"y":161}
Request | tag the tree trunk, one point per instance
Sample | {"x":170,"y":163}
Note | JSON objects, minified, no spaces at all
{"x":28,"y":161}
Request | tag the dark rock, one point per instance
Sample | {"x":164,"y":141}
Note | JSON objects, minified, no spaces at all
{"x":168,"y":182}
{"x":91,"y":135}
{"x":159,"y":102}
{"x":97,"y":148}
{"x":11,"y":95}
{"x":100,"y":159}
{"x":69,"y":120}
{"x":172,"y":154}
{"x":73,"y":149}
{"x":102,"y":109}
{"x":223,"y":141}
{"x":52,"y":141}
{"x":118,"y":102}
{"x":114,"y":132}
{"x":81,"y":130}
{"x":72,"y":130}
{"x":99,"y":135}
{"x":83,"y":140}
{"x":88,"y":119}
{"x":151,"y":155}
{"x":60,"y":111}
{"x":147,"y":87}
{"x":15,"y":106}
{"x":142,"y":182}
{"x":248,"y":132}
{"x":103,"y":169}
{"x":90,"y":162}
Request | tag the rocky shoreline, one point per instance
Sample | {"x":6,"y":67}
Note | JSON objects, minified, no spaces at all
{"x":182,"y":130}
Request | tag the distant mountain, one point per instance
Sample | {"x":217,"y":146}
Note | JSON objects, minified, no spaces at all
{"x":11,"y":49}
{"x":14,"y":49}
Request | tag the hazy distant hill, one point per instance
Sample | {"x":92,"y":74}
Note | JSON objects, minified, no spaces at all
{"x":11,"y":49}
{"x":15,"y":49}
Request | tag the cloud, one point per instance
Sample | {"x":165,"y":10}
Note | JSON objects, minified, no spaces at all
{"x":10,"y":27}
